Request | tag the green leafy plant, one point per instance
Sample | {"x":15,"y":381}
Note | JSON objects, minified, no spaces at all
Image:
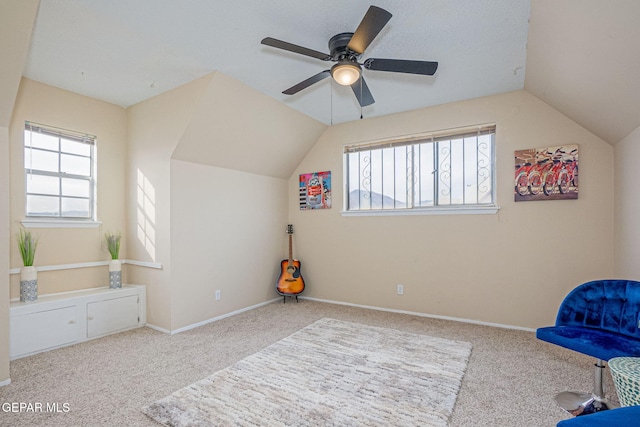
{"x":113,"y":244}
{"x":27,"y":244}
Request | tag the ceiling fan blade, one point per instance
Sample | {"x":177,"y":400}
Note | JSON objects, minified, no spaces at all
{"x":427,"y":68}
{"x":362,"y":92}
{"x":306,"y":83}
{"x":269,"y":41}
{"x":373,"y":22}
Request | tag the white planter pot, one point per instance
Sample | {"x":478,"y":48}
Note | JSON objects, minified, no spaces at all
{"x":115,"y":274}
{"x":28,"y":284}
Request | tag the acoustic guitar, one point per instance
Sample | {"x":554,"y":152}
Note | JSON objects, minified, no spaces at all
{"x":290,"y":282}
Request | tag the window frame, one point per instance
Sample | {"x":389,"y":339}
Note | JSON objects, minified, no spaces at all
{"x":415,"y":140}
{"x":60,"y":220}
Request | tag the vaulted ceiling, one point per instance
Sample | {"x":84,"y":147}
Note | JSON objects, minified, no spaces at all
{"x":580,"y":56}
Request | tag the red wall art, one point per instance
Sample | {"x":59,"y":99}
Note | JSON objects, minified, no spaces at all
{"x":549,"y":173}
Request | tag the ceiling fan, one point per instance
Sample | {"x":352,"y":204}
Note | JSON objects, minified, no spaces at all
{"x":345,"y":49}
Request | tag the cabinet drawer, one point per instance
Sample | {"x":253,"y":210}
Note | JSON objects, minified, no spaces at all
{"x":42,"y":330}
{"x":113,"y":315}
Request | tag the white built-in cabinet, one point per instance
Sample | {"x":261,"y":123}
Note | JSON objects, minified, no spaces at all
{"x":57,"y":320}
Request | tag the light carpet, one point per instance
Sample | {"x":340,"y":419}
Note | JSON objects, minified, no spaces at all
{"x":329,"y":373}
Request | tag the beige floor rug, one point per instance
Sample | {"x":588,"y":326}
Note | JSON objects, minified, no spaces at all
{"x":329,"y":373}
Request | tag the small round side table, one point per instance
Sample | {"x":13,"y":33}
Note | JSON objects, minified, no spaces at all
{"x":626,"y":377}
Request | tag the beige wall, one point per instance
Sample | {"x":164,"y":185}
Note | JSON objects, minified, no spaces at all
{"x":55,"y":107}
{"x":16,"y":24}
{"x":511,"y":268}
{"x":227,"y":233}
{"x":627,"y":207}
{"x":4,"y":254}
{"x":191,"y":199}
{"x":154,"y":128}
{"x":236,"y":127}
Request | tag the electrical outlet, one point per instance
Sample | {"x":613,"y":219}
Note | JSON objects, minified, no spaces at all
{"x":218,"y":295}
{"x":400,"y":290}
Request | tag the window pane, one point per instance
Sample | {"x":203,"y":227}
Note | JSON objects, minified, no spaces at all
{"x":43,"y":184}
{"x":427,"y":175}
{"x":42,"y":206}
{"x":75,"y":165}
{"x":400,"y":174}
{"x":470,"y":171}
{"x":444,"y":173}
{"x":40,"y":160}
{"x":364,"y":176}
{"x":75,"y":207}
{"x":75,"y":147}
{"x":58,"y":171}
{"x":39,"y":140}
{"x":76,"y":187}
{"x":485,"y":169}
{"x":388,"y":185}
{"x":457,"y":172}
{"x":375,"y":182}
{"x":354,"y":181}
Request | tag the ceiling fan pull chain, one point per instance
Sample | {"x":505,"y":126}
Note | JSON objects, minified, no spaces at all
{"x":331,"y":99}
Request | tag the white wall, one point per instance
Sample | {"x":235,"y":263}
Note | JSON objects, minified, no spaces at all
{"x":627,"y":207}
{"x":511,"y":268}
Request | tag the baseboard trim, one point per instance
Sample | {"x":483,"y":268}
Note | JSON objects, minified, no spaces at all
{"x":390,"y":310}
{"x":433,"y":316}
{"x":5,"y":382}
{"x":158,"y":328}
{"x":215,"y":319}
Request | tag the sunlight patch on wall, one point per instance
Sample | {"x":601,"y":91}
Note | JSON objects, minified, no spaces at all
{"x":146,"y":219}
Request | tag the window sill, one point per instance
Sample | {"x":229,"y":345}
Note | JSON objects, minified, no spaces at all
{"x":59,"y":223}
{"x":462,"y":210}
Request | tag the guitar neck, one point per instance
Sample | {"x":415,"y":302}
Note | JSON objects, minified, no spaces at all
{"x":290,"y":249}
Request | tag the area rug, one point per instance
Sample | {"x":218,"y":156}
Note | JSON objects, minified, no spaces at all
{"x":330,"y":373}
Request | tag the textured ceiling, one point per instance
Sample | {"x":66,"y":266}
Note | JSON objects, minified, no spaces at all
{"x":580,"y":56}
{"x":124,"y":51}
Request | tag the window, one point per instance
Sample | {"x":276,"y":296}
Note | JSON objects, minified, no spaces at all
{"x":448,"y":170}
{"x":59,"y":173}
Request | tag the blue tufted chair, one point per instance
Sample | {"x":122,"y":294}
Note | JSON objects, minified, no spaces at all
{"x":600,"y":319}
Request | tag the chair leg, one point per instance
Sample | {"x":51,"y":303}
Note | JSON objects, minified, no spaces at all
{"x":577,"y":403}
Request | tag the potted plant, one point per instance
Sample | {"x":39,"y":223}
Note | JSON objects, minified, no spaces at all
{"x":28,"y":274}
{"x":115,"y":266}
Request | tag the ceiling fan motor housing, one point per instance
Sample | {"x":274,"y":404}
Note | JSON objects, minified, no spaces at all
{"x":338,"y":47}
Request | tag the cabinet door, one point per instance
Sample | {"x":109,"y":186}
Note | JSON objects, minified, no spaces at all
{"x":43,"y":330}
{"x":113,"y":315}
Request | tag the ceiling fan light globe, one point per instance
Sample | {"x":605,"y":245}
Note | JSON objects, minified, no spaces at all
{"x":345,"y":74}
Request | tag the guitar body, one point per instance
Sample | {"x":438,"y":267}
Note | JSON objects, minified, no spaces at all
{"x":290,"y":281}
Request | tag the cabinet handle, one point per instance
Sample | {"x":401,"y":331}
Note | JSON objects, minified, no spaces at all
{"x":71,"y":322}
{"x":90,"y":317}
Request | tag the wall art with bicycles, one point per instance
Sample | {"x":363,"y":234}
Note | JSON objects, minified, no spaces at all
{"x":549,"y":173}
